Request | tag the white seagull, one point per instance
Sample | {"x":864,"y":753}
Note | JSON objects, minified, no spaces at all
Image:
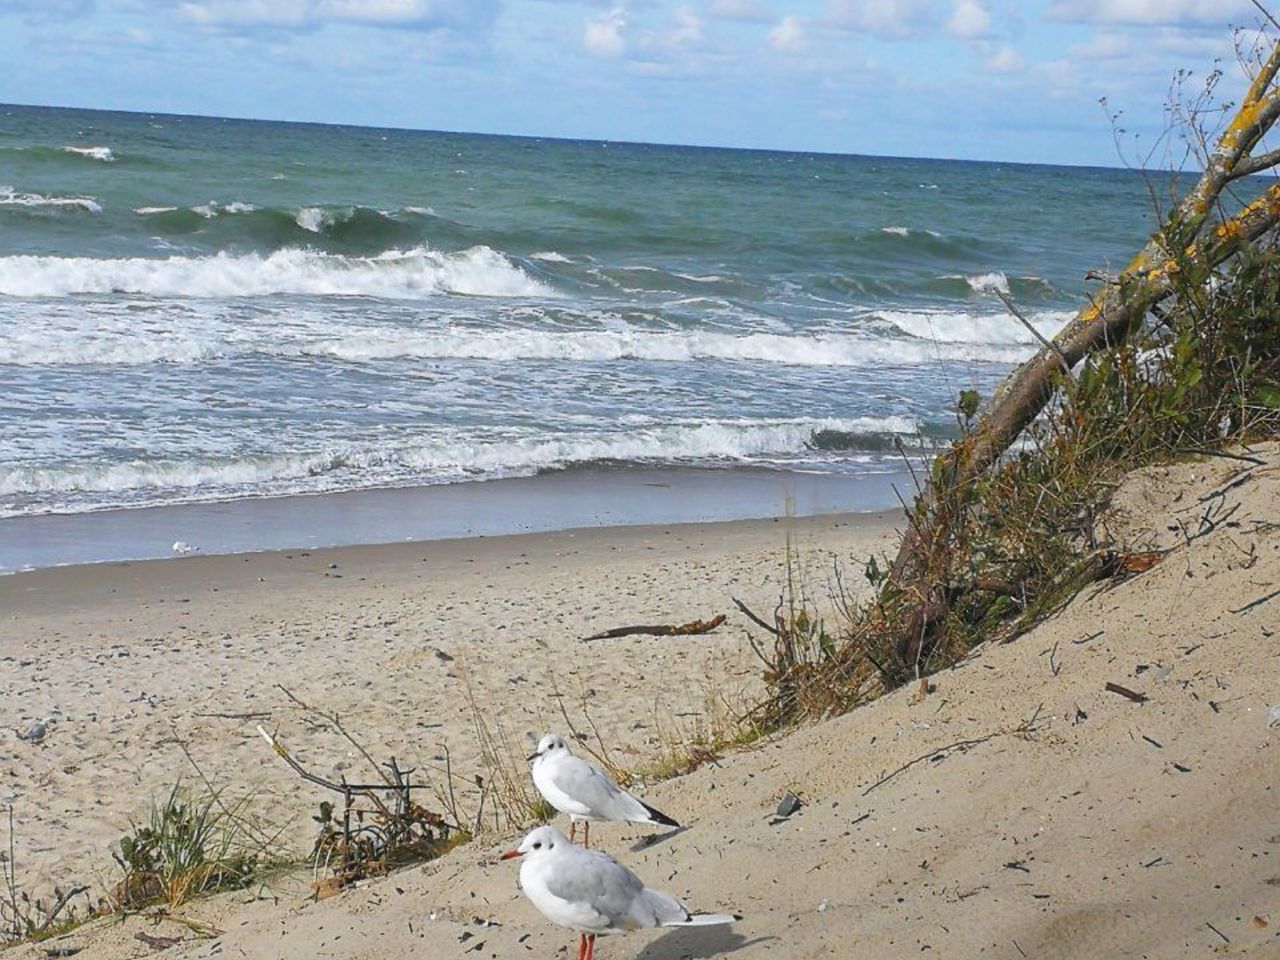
{"x":589,"y":891}
{"x":584,"y":791}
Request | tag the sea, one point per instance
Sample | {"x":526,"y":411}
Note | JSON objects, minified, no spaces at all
{"x":212,"y":325}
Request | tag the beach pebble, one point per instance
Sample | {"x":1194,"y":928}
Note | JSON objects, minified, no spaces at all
{"x":35,"y":733}
{"x":788,"y":805}
{"x":1273,"y":716}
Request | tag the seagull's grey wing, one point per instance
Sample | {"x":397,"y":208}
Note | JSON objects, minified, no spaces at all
{"x":594,"y":789}
{"x":598,"y":880}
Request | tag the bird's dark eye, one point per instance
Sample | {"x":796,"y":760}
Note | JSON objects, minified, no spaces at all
{"x":537,"y":846}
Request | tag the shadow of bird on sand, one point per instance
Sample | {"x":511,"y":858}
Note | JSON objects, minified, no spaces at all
{"x":692,"y":943}
{"x":653,"y":839}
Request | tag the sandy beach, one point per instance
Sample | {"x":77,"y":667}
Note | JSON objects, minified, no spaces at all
{"x":1021,"y":808}
{"x":127,"y":656}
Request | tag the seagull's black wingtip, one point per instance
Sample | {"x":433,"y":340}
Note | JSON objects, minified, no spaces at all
{"x":657,"y":816}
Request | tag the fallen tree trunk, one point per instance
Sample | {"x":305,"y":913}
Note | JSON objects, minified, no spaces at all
{"x":919,"y":584}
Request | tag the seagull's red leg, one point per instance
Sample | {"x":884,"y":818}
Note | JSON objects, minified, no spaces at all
{"x":582,"y":945}
{"x":573,"y":830}
{"x":586,"y":834}
{"x":591,"y":947}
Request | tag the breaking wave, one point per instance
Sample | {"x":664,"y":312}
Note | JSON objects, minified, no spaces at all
{"x":920,"y":339}
{"x":77,"y":485}
{"x":396,"y":274}
{"x":10,"y":197}
{"x":102,"y":154}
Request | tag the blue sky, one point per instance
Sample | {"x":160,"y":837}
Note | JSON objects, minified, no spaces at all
{"x":977,"y":79}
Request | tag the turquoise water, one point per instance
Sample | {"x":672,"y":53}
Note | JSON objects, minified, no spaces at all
{"x":197,"y":309}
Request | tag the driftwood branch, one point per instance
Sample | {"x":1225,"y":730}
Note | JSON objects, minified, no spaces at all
{"x":661,"y":630}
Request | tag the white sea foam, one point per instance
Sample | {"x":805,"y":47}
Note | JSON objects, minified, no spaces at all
{"x":907,"y":231}
{"x":550,"y":256}
{"x":15,"y":198}
{"x":314,"y":219}
{"x":409,"y":274}
{"x":212,"y":209}
{"x":955,"y":337}
{"x":988,"y":282}
{"x":681,"y":347}
{"x":961,"y":327}
{"x":93,"y":153}
{"x":146,"y":211}
{"x":442,"y":459}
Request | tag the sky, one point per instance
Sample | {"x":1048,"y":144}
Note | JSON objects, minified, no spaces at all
{"x":968,"y":79}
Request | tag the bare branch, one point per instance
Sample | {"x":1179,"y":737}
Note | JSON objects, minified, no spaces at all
{"x":1048,"y":345}
{"x":1248,"y":166}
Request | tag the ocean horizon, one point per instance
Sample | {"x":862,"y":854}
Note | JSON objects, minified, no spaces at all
{"x":202,"y":310}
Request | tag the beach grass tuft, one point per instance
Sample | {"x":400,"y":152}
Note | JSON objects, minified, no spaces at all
{"x":189,"y":845}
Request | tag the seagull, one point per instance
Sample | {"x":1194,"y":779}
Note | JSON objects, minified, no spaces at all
{"x":584,"y":791}
{"x":181,"y":547}
{"x":589,"y":891}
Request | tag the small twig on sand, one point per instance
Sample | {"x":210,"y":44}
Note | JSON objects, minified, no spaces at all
{"x":1225,"y":938}
{"x":1257,"y":603}
{"x":1126,"y":692}
{"x":334,"y":719}
{"x":662,"y":630}
{"x":157,"y":943}
{"x":1238,"y":480}
{"x":750,"y":615}
{"x":1203,"y":452}
{"x":940,"y":752}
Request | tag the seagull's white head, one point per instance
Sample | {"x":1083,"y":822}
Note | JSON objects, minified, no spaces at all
{"x":552,"y":743}
{"x":538,"y":843}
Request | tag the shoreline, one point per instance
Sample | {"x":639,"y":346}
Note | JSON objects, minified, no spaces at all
{"x":561,"y":500}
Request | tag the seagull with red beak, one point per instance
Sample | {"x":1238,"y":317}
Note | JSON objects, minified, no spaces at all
{"x":589,"y":891}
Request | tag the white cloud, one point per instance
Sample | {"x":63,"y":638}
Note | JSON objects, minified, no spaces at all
{"x":687,"y":29}
{"x":55,"y":9}
{"x":892,"y":19}
{"x":752,"y":11}
{"x":602,"y":37}
{"x":1103,"y":45}
{"x":1005,"y":60}
{"x":306,"y":14}
{"x":971,"y":20}
{"x":788,"y":36}
{"x":1153,"y":12}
